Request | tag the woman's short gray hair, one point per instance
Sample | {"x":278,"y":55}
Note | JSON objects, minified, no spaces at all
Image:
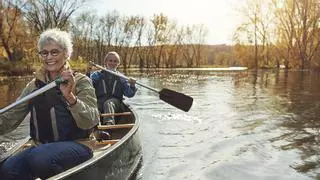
{"x":62,"y":38}
{"x":114,"y":54}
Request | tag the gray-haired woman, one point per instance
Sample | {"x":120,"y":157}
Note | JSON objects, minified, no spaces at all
{"x":61,"y":118}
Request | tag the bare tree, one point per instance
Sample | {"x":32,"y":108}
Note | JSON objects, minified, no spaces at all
{"x":110,"y":22}
{"x":161,"y":29}
{"x":11,"y":29}
{"x":140,"y":33}
{"x":175,"y":41}
{"x":100,"y":32}
{"x":83,"y":29}
{"x":44,"y":14}
{"x":132,"y":36}
{"x":284,"y":20}
{"x":194,"y":38}
{"x":140,"y":23}
{"x":257,"y":30}
{"x":199,"y":35}
{"x":307,"y":22}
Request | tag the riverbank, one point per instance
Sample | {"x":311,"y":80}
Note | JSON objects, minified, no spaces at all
{"x":23,"y":68}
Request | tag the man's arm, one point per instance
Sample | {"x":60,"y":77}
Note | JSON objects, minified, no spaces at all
{"x":95,"y":76}
{"x":129,"y":87}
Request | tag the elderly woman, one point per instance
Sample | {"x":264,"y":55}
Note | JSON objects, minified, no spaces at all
{"x":61,"y":118}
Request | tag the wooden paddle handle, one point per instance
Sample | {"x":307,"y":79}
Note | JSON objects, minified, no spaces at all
{"x":106,"y":142}
{"x":117,"y":126}
{"x":116,"y":114}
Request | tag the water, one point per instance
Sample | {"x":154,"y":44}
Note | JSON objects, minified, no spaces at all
{"x":242,"y":125}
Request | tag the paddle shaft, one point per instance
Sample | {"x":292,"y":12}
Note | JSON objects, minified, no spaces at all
{"x":120,"y":75}
{"x":32,"y":95}
{"x":171,"y":97}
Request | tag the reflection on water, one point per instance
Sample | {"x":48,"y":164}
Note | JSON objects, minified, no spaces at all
{"x":242,"y":125}
{"x":289,"y":101}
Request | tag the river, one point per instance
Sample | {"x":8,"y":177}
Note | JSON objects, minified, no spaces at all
{"x":243,"y":125}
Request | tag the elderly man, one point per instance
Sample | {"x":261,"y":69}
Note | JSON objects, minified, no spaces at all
{"x":110,"y":89}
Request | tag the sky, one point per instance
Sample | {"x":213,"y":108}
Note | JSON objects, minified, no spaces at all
{"x":219,"y":16}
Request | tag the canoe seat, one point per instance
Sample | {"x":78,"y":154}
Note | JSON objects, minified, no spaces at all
{"x":106,"y":142}
{"x":117,"y":126}
{"x":27,"y":145}
{"x":116,"y":114}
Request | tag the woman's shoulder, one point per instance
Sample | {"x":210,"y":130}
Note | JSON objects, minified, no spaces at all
{"x":29,"y":88}
{"x":82,"y":82}
{"x":81,"y":77}
{"x":31,"y":84}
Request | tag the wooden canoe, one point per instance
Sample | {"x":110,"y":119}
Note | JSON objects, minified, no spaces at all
{"x":117,"y":158}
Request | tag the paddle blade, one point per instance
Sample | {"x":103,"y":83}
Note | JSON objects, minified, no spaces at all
{"x":176,"y":99}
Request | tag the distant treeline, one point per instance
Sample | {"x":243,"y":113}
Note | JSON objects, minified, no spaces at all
{"x":273,"y":33}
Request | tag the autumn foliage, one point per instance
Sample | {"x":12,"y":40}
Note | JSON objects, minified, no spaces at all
{"x":273,"y":33}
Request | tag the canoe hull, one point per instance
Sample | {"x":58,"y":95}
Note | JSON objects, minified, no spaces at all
{"x":118,"y":162}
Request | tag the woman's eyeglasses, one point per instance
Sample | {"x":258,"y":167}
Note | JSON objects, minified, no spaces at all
{"x":112,"y":60}
{"x":53,"y":52}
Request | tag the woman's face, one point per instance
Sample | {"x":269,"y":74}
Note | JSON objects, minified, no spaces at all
{"x":53,"y":56}
{"x":111,"y":62}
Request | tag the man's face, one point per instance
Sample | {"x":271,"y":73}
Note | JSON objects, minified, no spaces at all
{"x":111,"y":62}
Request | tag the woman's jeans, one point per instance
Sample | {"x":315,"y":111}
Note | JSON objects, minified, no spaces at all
{"x":45,"y":160}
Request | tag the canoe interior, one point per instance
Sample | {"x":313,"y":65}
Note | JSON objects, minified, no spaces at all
{"x":117,"y":158}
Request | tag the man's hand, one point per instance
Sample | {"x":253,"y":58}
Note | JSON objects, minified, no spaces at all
{"x":132,"y":81}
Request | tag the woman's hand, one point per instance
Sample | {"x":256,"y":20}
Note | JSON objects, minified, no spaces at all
{"x":66,"y":88}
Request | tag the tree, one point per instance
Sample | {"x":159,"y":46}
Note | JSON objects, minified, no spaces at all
{"x":194,"y":38}
{"x":11,"y":29}
{"x":83,"y":29}
{"x":44,"y":14}
{"x":160,"y":29}
{"x":284,"y":20}
{"x":307,"y":30}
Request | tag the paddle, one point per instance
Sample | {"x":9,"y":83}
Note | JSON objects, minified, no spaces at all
{"x":33,"y":94}
{"x":176,"y":99}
